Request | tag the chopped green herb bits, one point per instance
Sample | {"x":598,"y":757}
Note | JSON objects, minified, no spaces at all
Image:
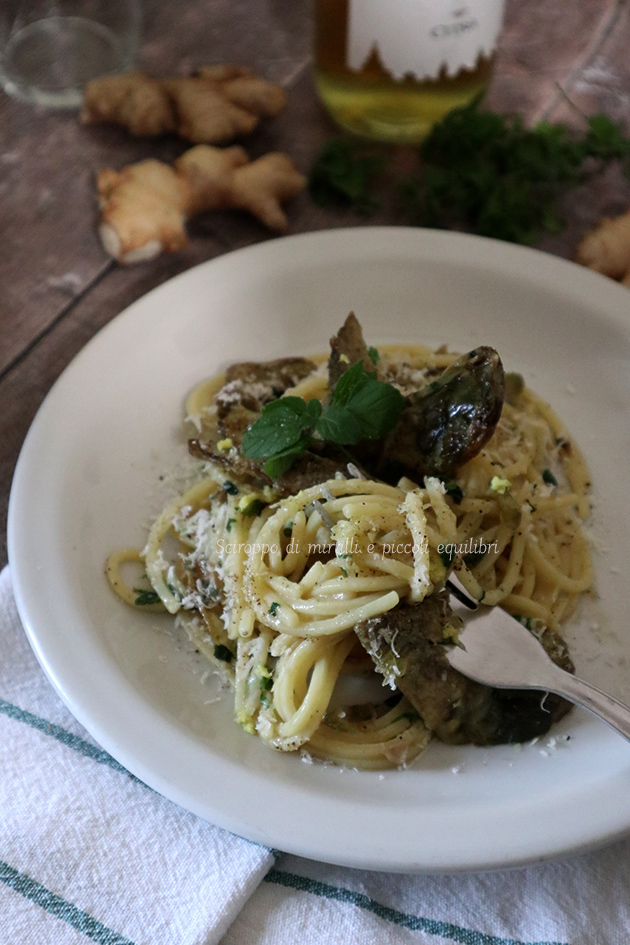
{"x":145,"y":598}
{"x":223,"y":653}
{"x":253,"y":508}
{"x":454,"y":491}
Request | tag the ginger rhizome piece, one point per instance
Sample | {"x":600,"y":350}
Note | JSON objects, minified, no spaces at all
{"x":215,"y":105}
{"x":144,"y":207}
{"x":606,"y":249}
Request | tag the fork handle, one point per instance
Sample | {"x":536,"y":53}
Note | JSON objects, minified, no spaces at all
{"x":599,"y":703}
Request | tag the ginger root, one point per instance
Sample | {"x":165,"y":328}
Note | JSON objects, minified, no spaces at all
{"x":144,"y":207}
{"x":217,"y":104}
{"x":606,"y":249}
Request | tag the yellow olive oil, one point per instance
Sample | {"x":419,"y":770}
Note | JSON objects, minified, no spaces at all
{"x":370,"y":101}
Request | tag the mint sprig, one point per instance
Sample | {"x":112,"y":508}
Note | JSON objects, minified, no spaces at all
{"x":280,"y":426}
{"x":362,"y":408}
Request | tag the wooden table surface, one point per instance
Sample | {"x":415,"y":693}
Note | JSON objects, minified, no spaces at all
{"x":57,"y":286}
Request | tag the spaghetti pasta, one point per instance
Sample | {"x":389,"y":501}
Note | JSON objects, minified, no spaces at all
{"x":271,"y":585}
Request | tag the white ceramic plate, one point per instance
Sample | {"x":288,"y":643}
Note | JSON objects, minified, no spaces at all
{"x":88,"y":480}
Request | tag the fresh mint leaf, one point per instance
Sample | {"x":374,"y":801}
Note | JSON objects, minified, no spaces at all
{"x":338,"y":425}
{"x":376,"y":406}
{"x":280,"y":426}
{"x":280,"y":462}
{"x":350,"y":382}
{"x":362,"y":408}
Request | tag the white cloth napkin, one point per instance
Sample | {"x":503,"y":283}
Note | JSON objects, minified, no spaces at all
{"x":89,"y":854}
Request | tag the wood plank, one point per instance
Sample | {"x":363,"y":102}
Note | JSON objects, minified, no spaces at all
{"x":48,"y":160}
{"x":598,"y":85}
{"x":541,"y":45}
{"x":23,"y":388}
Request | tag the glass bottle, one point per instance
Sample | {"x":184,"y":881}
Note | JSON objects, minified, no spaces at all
{"x":389,"y":69}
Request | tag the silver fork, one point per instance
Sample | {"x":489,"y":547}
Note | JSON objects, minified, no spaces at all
{"x":499,"y":651}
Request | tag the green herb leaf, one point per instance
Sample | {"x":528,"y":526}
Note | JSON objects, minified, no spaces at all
{"x":549,"y":478}
{"x":223,"y":653}
{"x":273,"y":610}
{"x":494,"y":176}
{"x":230,"y":488}
{"x":145,"y":597}
{"x":362,"y":408}
{"x":451,"y":488}
{"x":605,"y":139}
{"x":343,"y":174}
{"x":280,"y":426}
{"x":266,"y":683}
{"x":374,"y":355}
{"x":351,"y":381}
{"x":473,"y":559}
{"x":446,"y":557}
{"x":480,"y":171}
{"x":339,"y":426}
{"x":277,"y":465}
{"x":253,"y":508}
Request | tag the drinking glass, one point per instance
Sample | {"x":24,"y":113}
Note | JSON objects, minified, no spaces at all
{"x":49,"y":49}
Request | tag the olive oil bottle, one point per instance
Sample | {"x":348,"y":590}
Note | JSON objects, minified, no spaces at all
{"x":389,"y":69}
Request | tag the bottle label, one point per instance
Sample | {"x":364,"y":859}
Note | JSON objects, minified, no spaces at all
{"x":422,"y":37}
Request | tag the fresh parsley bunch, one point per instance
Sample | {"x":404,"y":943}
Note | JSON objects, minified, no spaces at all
{"x":490,"y":174}
{"x":479,"y":171}
{"x":343,"y":175}
{"x":361,"y":408}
